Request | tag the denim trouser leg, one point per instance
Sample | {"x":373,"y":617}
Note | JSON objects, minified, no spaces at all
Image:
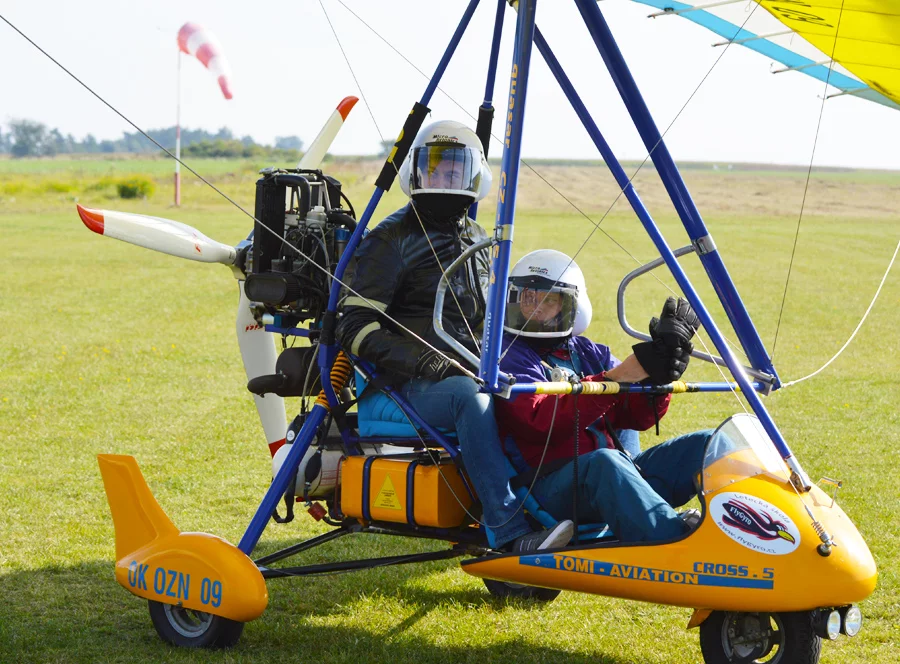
{"x":612,"y":490}
{"x":631,"y":441}
{"x":670,"y":467}
{"x":456,"y":403}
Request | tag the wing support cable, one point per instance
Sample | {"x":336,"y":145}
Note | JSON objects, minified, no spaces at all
{"x":669,"y":11}
{"x":812,"y":157}
{"x":825,"y":63}
{"x":863,"y":320}
{"x":747,"y":40}
{"x":230,"y":200}
{"x":472,"y":5}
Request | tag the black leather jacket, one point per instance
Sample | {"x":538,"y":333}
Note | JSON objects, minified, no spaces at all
{"x":397,"y":273}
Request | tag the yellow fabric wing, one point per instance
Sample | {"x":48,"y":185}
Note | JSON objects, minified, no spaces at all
{"x":861,"y":35}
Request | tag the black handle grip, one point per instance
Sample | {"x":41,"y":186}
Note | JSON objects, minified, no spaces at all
{"x":410,"y":128}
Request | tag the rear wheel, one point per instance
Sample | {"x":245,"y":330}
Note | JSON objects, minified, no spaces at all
{"x":504,"y":590}
{"x":760,"y":638}
{"x":193,"y":629}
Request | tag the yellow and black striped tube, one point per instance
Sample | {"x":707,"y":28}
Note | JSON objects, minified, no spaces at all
{"x":611,"y":387}
{"x":340,"y":374}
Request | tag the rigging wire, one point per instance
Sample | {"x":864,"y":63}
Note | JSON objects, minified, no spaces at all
{"x":117,"y":112}
{"x":865,"y":315}
{"x":397,"y":172}
{"x":812,"y":157}
{"x":596,"y":224}
{"x":239,"y":207}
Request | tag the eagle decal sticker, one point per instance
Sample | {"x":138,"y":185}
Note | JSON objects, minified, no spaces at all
{"x":755,"y":523}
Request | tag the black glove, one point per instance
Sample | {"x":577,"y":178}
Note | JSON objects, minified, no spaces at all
{"x":436,"y":366}
{"x":663,"y":363}
{"x":677,"y":323}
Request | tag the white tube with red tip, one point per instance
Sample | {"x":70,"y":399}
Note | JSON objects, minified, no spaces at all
{"x":259,"y":356}
{"x":163,"y":235}
{"x":319,"y":147}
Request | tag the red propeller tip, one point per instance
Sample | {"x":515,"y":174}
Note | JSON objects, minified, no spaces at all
{"x":346,"y":105}
{"x":91,"y":219}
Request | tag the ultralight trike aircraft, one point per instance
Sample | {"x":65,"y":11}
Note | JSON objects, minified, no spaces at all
{"x":774,"y":566}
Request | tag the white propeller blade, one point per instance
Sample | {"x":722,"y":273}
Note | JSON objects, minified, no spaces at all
{"x":317,"y":149}
{"x":259,"y":355}
{"x":164,"y":235}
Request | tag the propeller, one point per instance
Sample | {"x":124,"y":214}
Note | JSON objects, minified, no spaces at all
{"x":163,"y":235}
{"x":176,"y":239}
{"x":317,"y":149}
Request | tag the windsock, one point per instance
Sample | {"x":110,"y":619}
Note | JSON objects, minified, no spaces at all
{"x":194,"y":40}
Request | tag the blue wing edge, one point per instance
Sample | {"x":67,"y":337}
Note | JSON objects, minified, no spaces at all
{"x":731,"y":32}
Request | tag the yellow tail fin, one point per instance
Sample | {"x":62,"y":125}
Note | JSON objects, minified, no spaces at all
{"x":137,"y":517}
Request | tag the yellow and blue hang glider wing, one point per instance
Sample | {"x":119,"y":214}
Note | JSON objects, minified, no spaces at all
{"x":863,"y":36}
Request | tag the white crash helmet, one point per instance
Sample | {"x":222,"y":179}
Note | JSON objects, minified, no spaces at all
{"x":446,"y":158}
{"x":539,"y":283}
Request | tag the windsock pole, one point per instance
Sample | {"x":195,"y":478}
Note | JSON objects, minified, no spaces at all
{"x":178,"y":136}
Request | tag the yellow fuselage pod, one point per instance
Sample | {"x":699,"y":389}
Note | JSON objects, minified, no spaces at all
{"x":755,"y":550}
{"x":158,"y":562}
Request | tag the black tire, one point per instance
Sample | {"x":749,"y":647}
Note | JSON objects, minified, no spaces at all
{"x":760,"y":638}
{"x":504,"y":590}
{"x":193,"y":629}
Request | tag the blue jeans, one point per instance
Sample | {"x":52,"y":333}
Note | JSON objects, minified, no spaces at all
{"x":457,"y":404}
{"x":630,"y":440}
{"x":611,"y":490}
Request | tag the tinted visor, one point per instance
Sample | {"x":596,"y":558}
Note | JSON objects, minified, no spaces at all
{"x":536,"y":307}
{"x":447,"y":168}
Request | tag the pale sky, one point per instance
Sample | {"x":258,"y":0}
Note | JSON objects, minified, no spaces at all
{"x":288,"y":73}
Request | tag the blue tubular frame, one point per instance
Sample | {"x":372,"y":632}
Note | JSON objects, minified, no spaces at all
{"x":488,"y":102}
{"x":675,"y":186}
{"x":526,"y":36}
{"x":279,"y":484}
{"x":618,"y":69}
{"x":506,"y":205}
{"x":495,"y":53}
{"x":327,"y":349}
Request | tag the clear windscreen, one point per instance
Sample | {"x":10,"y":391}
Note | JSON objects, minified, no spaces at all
{"x":740,"y":448}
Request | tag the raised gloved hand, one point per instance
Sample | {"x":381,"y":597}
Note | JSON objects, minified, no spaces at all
{"x":676,"y":325}
{"x":436,"y":366}
{"x":663,"y":363}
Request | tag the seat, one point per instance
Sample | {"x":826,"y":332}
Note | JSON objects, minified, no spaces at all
{"x":381,"y":417}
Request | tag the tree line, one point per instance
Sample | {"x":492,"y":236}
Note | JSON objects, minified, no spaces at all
{"x":27,"y":138}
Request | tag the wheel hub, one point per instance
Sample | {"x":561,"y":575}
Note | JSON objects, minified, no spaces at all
{"x":187,"y":622}
{"x":751,"y":637}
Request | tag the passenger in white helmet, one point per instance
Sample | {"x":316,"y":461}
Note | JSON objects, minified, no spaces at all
{"x":547,"y":311}
{"x":399,"y":265}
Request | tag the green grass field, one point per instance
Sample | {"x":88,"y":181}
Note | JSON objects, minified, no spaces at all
{"x":106,"y":347}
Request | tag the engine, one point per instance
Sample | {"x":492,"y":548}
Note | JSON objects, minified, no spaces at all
{"x":300,"y":234}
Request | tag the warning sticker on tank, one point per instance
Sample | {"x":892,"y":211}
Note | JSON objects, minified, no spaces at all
{"x":387,"y":496}
{"x":754,"y":523}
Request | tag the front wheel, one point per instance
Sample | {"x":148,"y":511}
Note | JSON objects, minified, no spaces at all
{"x":504,"y":590}
{"x":760,"y":638}
{"x":193,"y":629}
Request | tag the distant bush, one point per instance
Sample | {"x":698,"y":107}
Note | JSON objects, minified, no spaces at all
{"x":57,"y":187}
{"x":237,"y":149}
{"x":13,"y":187}
{"x":103,"y":184}
{"x":135,"y":188}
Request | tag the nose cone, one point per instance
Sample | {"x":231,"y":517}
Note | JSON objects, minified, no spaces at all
{"x":851,"y":567}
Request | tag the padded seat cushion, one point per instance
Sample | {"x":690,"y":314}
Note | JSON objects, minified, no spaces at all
{"x":379,"y":416}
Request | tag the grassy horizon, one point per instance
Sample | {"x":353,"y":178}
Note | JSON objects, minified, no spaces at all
{"x":107,"y":347}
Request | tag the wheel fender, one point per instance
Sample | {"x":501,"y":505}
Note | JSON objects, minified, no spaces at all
{"x":158,"y":562}
{"x":698,"y":618}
